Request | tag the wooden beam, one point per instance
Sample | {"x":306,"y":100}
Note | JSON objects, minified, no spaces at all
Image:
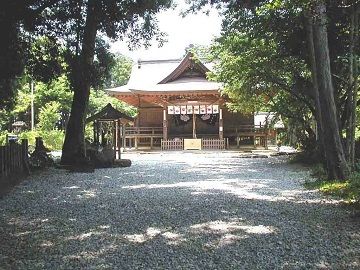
{"x":118,"y":129}
{"x":194,"y":126}
{"x":221,"y":125}
{"x":165,"y":125}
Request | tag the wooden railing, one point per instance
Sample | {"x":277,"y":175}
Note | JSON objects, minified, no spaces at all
{"x":133,"y":136}
{"x":213,"y":144}
{"x":174,"y":144}
{"x":246,"y":130}
{"x":13,"y":160}
{"x":143,"y":132}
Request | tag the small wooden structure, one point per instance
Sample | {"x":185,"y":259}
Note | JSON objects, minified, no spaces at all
{"x":108,"y":126}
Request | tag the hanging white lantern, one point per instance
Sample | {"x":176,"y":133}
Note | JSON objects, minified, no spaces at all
{"x":196,"y":109}
{"x":177,"y":109}
{"x":189,"y":109}
{"x":215,"y":109}
{"x":171,"y":110}
{"x":183,"y":109}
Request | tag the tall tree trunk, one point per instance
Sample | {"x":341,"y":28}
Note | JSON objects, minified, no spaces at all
{"x":353,"y":85}
{"x":337,"y":167}
{"x":310,"y":43}
{"x":74,"y":145}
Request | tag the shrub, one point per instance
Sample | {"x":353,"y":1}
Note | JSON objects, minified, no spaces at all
{"x":30,"y":136}
{"x":3,"y":138}
{"x":354,"y":187}
{"x":53,"y":139}
{"x":49,"y":116}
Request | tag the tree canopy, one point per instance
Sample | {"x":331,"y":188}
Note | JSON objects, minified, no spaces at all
{"x":277,"y":55}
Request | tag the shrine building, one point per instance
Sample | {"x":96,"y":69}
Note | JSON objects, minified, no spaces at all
{"x":179,"y":108}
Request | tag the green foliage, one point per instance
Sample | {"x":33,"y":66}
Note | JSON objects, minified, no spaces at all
{"x":5,"y":116}
{"x":30,"y":136}
{"x":49,"y":116}
{"x":102,"y":64}
{"x":53,"y":139}
{"x":348,"y":190}
{"x":44,"y":59}
{"x":11,"y":53}
{"x":120,"y":71}
{"x":99,"y":99}
{"x":3,"y":137}
{"x":57,"y":90}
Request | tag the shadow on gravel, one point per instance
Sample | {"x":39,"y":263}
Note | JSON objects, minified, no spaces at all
{"x":208,"y":214}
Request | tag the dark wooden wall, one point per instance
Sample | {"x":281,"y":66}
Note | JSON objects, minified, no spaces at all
{"x":153,"y":117}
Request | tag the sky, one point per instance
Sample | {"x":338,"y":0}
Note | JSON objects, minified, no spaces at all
{"x":197,"y":29}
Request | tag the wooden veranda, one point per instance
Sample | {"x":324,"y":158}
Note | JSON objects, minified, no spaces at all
{"x":152,"y":138}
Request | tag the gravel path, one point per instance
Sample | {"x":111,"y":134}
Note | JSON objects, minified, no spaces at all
{"x":177,"y":211}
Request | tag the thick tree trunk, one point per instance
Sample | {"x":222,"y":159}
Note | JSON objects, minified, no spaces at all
{"x":73,"y":151}
{"x":337,"y":167}
{"x":310,"y":42}
{"x":353,"y":87}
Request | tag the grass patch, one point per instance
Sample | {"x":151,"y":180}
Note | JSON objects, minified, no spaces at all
{"x":348,"y":190}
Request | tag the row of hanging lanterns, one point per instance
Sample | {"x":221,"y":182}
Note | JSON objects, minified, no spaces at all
{"x":193,"y":109}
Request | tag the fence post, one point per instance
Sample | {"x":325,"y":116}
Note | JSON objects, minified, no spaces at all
{"x":24,"y":155}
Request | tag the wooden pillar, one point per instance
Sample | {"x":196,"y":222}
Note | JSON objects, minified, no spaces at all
{"x":152,"y":138}
{"x":165,"y":125}
{"x":114,"y":137}
{"x":94,"y":131}
{"x":136,"y":139}
{"x":136,"y":142}
{"x":194,"y":126}
{"x":101,"y":132}
{"x":123,"y":128}
{"x":118,"y":130}
{"x":221,"y":125}
{"x":265,"y":133}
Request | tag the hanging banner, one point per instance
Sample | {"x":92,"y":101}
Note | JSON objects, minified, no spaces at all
{"x":171,"y":110}
{"x":196,"y":109}
{"x":183,"y":109}
{"x":177,"y":109}
{"x":189,"y":109}
{"x":209,"y":109}
{"x":215,"y":109}
{"x":202,"y":109}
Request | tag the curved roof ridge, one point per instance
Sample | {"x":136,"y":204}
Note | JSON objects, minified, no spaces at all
{"x":183,"y":65}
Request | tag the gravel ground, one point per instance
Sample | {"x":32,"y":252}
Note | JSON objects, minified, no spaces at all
{"x":177,"y":211}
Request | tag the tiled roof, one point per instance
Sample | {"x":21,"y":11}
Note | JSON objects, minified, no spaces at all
{"x":146,"y":77}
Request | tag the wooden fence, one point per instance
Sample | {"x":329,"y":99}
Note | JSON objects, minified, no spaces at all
{"x":174,"y":144}
{"x":206,"y":144}
{"x":213,"y":144}
{"x":14,"y":160}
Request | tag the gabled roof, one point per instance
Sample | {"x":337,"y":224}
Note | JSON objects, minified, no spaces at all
{"x":109,"y":113}
{"x":188,"y":63}
{"x":166,"y":76}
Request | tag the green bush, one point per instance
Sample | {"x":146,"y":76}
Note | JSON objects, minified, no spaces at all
{"x":53,"y":139}
{"x":30,"y":136}
{"x":348,"y":190}
{"x":3,"y":138}
{"x":354,"y":187}
{"x":49,"y":116}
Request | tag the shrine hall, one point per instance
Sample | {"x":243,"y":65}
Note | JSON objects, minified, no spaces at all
{"x":179,"y":109}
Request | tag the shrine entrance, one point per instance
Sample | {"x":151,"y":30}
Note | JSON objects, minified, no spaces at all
{"x":193,"y":121}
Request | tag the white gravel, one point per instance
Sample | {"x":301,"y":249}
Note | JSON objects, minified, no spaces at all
{"x":177,"y":211}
